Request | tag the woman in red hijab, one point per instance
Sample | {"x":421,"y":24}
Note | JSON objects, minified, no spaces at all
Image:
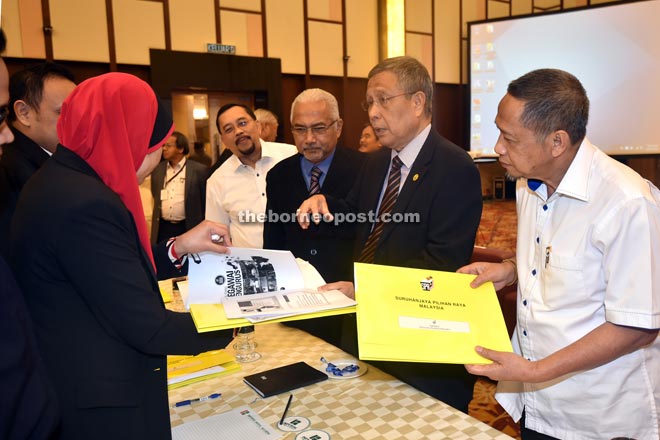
{"x":82,"y":257}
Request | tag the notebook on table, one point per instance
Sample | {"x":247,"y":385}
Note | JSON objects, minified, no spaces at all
{"x":282,"y":379}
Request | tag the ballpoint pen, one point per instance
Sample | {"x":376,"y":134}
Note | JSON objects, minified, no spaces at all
{"x":286,"y":408}
{"x":199,"y":399}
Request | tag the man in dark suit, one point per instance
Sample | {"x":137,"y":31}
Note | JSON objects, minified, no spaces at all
{"x":422,"y":174}
{"x":28,"y":407}
{"x":35,"y":98}
{"x":319,"y":167}
{"x":178,"y":186}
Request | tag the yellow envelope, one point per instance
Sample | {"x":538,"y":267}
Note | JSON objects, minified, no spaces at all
{"x":418,"y":315}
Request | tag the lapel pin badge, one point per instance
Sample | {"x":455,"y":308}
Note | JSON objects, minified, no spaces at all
{"x":415,"y":177}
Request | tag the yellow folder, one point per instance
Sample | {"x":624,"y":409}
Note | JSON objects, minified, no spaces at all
{"x":184,"y":370}
{"x":418,"y":315}
{"x":211,"y":317}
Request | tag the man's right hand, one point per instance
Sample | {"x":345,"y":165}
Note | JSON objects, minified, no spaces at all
{"x":501,"y":274}
{"x":314,"y":208}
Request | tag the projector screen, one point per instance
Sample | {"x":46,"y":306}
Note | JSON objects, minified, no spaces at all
{"x":613,"y":50}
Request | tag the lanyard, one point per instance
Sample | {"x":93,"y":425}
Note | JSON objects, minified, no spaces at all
{"x":175,"y":174}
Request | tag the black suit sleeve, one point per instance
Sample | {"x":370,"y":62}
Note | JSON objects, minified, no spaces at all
{"x":455,"y":217}
{"x":100,"y":255}
{"x":274,"y":232}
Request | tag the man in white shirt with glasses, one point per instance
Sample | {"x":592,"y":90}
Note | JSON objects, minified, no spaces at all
{"x":236,"y":192}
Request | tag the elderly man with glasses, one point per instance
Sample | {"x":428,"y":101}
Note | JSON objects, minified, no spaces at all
{"x":321,"y":166}
{"x":418,"y":172}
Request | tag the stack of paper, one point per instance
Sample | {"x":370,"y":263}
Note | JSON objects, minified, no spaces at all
{"x":238,"y":424}
{"x":419,"y":315}
{"x":250,"y":286}
{"x":184,"y":370}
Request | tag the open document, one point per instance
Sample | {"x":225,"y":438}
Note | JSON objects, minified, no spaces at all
{"x":419,"y":315}
{"x":301,"y":301}
{"x":250,"y":286}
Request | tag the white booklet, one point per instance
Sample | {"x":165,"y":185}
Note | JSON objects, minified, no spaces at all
{"x":215,"y":278}
{"x":259,"y":285}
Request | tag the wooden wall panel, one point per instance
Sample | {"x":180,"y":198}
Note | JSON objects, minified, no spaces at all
{"x":11,"y":25}
{"x":472,"y":10}
{"x":418,"y":16}
{"x":242,"y":30}
{"x":76,"y":39}
{"x":421,"y":47}
{"x":324,"y":9}
{"x":325,"y":49}
{"x":521,"y":7}
{"x":292,"y":85}
{"x":497,"y":9}
{"x":354,"y":117}
{"x":568,"y":4}
{"x":247,"y":5}
{"x":138,"y":27}
{"x":361,"y":36}
{"x":22,"y":23}
{"x":286,"y":34}
{"x":447,"y":41}
{"x":192,"y":24}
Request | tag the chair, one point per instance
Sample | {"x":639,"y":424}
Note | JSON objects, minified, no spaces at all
{"x":506,"y":295}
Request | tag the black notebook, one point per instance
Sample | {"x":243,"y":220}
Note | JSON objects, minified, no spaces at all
{"x":282,"y":379}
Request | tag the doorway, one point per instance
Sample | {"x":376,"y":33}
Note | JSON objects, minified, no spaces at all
{"x":194,"y":115}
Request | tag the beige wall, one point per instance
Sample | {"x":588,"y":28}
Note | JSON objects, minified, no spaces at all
{"x":436,"y":30}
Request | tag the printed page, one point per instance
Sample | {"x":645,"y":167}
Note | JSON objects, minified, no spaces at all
{"x":214,"y":278}
{"x":238,"y":424}
{"x":286,"y":303}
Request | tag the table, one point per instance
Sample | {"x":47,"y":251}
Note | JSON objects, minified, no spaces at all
{"x":372,"y":406}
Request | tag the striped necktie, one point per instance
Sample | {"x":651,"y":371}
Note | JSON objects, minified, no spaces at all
{"x":386,"y":205}
{"x":314,"y":184}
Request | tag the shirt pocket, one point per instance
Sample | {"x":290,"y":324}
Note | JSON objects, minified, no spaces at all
{"x":563,"y":278}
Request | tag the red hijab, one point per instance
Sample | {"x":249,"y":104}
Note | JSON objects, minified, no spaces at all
{"x":112,"y":122}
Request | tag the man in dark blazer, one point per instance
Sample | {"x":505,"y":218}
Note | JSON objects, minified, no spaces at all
{"x":421,"y":174}
{"x":28,"y":406}
{"x":316,"y":127}
{"x":35,"y":98}
{"x":178,"y":184}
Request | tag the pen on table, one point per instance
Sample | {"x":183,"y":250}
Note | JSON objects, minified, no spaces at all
{"x":286,"y":408}
{"x":199,"y":399}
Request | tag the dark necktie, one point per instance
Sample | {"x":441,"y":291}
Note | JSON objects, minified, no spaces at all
{"x":386,"y":205}
{"x":314,"y":184}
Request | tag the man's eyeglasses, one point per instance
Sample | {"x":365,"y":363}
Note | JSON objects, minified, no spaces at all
{"x":383,"y":101}
{"x":4,"y":112}
{"x":317,"y":130}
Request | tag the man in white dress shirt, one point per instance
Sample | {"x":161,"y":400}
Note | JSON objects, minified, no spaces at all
{"x":178,"y":187}
{"x":587,"y":357}
{"x":236,"y":192}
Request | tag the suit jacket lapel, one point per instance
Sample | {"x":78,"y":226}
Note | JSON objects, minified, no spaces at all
{"x":374,"y":183}
{"x":371,"y":186}
{"x":158,"y":176}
